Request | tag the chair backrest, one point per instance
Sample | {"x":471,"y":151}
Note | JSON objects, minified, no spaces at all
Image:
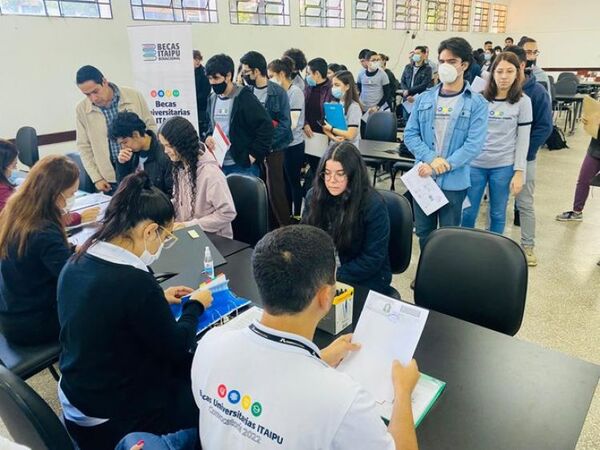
{"x":27,"y":360}
{"x":85,"y":182}
{"x":566,"y":86}
{"x":551,"y":78}
{"x":567,"y":76}
{"x":474,"y":275}
{"x":28,"y":418}
{"x":401,"y":229}
{"x":381,"y":126}
{"x":252,"y":206}
{"x":27,"y":145}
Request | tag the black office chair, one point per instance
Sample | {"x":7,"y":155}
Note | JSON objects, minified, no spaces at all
{"x":381,"y":126}
{"x":252,"y":206}
{"x":567,"y":76}
{"x":26,"y":361}
{"x":401,"y":166}
{"x":27,"y":145}
{"x":567,"y":87}
{"x":85,"y":182}
{"x":401,"y":229}
{"x":28,"y":418}
{"x":474,"y":275}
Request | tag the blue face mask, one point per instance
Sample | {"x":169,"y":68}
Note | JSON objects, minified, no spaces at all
{"x":416,"y":58}
{"x":310,"y":81}
{"x":337,"y":92}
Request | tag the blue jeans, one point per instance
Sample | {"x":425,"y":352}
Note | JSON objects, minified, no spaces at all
{"x":498,"y":180}
{"x":252,"y":170}
{"x":182,"y":440}
{"x":447,"y":216}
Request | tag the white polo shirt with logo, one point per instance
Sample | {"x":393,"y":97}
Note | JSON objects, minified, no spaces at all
{"x":262,"y":388}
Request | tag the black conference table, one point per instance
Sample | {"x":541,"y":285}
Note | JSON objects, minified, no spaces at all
{"x":501,"y":393}
{"x":385,"y":151}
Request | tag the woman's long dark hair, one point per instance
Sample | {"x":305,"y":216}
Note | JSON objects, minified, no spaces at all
{"x":340,"y":216}
{"x":346,"y":77}
{"x":516,"y":90}
{"x":136,"y":200}
{"x":8,"y":154}
{"x":182,"y":136}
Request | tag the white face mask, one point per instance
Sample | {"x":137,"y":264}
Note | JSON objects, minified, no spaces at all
{"x":70,"y":202}
{"x":374,"y":65}
{"x":447,"y":73}
{"x":149,"y":258}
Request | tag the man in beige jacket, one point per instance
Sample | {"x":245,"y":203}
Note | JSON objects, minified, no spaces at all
{"x":95,"y":114}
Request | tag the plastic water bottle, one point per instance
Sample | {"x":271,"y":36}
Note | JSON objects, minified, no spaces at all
{"x":209,"y":266}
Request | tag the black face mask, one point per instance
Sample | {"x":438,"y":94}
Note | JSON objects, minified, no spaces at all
{"x":294,"y":75}
{"x":219,"y":88}
{"x":249,"y":81}
{"x":530,"y":63}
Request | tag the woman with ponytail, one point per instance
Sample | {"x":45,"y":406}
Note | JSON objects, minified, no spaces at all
{"x":125,"y":361}
{"x":34,"y":249}
{"x":200,"y":192}
{"x":343,"y":203}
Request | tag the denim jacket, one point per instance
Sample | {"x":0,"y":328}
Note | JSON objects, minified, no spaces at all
{"x":464,"y":139}
{"x":278,"y":107}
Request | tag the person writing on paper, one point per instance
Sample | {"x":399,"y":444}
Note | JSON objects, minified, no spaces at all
{"x":294,"y":268}
{"x":502,"y":163}
{"x":590,"y":168}
{"x":141,"y":150}
{"x":200,"y":192}
{"x":34,"y":249}
{"x":345,"y":90}
{"x":241,"y":117}
{"x":445,"y":132}
{"x":343,"y":203}
{"x":280,"y":71}
{"x":125,"y":360}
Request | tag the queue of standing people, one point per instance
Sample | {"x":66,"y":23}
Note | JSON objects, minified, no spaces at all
{"x":165,"y":178}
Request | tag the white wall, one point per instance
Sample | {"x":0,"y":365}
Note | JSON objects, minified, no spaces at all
{"x":40,"y":55}
{"x":567,"y":31}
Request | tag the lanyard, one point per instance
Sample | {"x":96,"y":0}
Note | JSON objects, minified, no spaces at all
{"x":282,"y":340}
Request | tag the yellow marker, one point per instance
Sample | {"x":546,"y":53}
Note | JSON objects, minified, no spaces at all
{"x":193,"y":234}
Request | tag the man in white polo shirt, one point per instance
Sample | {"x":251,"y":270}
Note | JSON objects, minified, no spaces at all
{"x":268,"y":386}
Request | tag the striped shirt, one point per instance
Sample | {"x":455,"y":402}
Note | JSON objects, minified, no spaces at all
{"x":110,"y":114}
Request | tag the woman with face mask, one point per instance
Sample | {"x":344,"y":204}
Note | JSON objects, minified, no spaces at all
{"x":502,"y":163}
{"x":343,"y":203}
{"x":200,"y":192}
{"x":34,"y":249}
{"x":8,"y":164}
{"x":125,"y":360}
{"x":344,"y":89}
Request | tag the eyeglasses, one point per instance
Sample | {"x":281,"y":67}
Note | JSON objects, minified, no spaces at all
{"x":532,"y":52}
{"x":170,"y":240}
{"x":331,"y":175}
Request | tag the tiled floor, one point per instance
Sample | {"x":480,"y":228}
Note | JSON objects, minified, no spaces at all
{"x":563,"y":303}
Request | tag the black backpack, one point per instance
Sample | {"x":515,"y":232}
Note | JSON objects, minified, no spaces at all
{"x":557,"y":140}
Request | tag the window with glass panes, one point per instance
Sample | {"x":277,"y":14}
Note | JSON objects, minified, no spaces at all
{"x":96,"y":9}
{"x":322,"y":13}
{"x":436,"y":15}
{"x":481,"y":17}
{"x":368,"y":13}
{"x":499,"y":15}
{"x":407,"y":14}
{"x":461,"y":15}
{"x":203,"y":11}
{"x":259,"y":12}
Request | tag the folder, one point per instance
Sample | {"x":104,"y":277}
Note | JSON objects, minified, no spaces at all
{"x":334,"y":115}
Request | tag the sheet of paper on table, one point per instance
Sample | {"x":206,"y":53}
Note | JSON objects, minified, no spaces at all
{"x":387,"y":330}
{"x":91,"y":200}
{"x":424,"y":190}
{"x":591,"y":113}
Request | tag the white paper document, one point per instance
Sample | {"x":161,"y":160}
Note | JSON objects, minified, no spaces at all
{"x":89,"y":201}
{"x":408,"y":106}
{"x":222,"y":144}
{"x":424,"y":190}
{"x":316,"y":145}
{"x":479,"y":84}
{"x":387,"y":330}
{"x":243,"y":320}
{"x":426,"y":392}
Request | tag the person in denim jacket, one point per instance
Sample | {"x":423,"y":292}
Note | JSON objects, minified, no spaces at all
{"x":445,"y":132}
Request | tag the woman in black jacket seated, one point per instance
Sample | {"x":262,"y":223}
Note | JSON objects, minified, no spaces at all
{"x":125,"y":361}
{"x":343,"y":203}
{"x":33,"y":251}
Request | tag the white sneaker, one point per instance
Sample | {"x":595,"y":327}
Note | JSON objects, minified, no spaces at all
{"x":530,"y":255}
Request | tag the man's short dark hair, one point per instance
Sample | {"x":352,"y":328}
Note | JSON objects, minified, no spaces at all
{"x":290,"y":265}
{"x":421,"y":48}
{"x":526,"y":40}
{"x":487,"y":42}
{"x":318,"y":65}
{"x":125,"y":124}
{"x":197,"y":55}
{"x":362,"y":53}
{"x":509,"y":39}
{"x":298,"y":57}
{"x":521,"y":55}
{"x":89,"y":73}
{"x":219,"y":65}
{"x":255,"y":60}
{"x":459,"y":47}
